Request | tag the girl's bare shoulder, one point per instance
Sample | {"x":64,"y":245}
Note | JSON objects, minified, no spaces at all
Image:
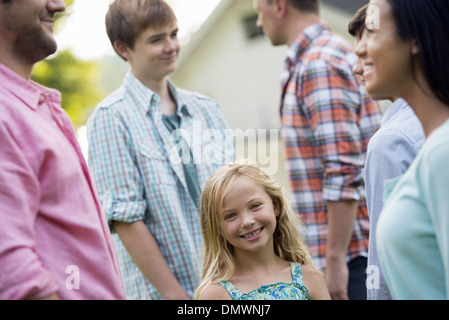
{"x":315,"y":283}
{"x":214,"y":291}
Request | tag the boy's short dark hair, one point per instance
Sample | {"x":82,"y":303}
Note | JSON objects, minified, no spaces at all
{"x":126,"y":19}
{"x":357,"y":24}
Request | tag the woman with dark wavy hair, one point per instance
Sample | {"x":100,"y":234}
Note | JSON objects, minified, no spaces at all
{"x":406,"y":56}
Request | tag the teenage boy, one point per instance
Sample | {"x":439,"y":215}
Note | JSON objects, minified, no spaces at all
{"x":152,"y":148}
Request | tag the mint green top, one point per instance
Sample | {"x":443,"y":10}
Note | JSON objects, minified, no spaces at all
{"x":413,"y":228}
{"x":279,"y":291}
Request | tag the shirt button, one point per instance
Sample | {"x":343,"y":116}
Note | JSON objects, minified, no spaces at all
{"x":42,"y":98}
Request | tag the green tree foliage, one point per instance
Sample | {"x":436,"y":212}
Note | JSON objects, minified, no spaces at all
{"x":77,"y":80}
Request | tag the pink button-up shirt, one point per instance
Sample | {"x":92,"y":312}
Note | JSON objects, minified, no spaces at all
{"x":53,"y":235}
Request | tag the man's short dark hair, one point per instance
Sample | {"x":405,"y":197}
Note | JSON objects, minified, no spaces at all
{"x":304,"y":5}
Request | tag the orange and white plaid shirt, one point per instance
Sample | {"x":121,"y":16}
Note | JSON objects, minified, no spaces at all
{"x":327,"y":121}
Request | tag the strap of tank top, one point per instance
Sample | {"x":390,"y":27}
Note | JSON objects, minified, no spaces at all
{"x":296,"y":272}
{"x":231,"y":289}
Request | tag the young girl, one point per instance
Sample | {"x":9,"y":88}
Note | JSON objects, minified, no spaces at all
{"x":406,"y":56}
{"x":253,"y":249}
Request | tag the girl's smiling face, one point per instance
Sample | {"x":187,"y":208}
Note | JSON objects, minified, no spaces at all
{"x":249,"y":216}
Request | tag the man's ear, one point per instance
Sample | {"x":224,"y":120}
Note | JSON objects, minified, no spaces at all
{"x":280,"y":7}
{"x":122,"y":49}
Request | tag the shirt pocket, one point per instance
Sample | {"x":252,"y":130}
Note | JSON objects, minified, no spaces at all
{"x":156,"y":168}
{"x":389,"y":185}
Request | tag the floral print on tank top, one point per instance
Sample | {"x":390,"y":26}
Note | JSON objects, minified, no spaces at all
{"x":279,"y":291}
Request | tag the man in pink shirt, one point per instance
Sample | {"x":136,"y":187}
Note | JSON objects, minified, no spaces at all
{"x":54,"y":241}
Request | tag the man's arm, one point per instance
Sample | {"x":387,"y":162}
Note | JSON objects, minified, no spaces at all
{"x":22,"y":274}
{"x":341,"y":218}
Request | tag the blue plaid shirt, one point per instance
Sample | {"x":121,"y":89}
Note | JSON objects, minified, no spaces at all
{"x":139,"y":174}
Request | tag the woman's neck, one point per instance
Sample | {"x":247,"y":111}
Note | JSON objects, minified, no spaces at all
{"x":430,"y":110}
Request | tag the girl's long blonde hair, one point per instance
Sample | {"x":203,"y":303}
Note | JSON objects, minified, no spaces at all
{"x":219,"y":261}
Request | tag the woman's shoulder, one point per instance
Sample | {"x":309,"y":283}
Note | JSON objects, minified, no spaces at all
{"x":214,"y":291}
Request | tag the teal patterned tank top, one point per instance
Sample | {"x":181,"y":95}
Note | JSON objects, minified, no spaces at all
{"x":279,"y":291}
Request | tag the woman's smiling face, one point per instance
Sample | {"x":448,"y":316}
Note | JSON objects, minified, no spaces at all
{"x":387,"y":67}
